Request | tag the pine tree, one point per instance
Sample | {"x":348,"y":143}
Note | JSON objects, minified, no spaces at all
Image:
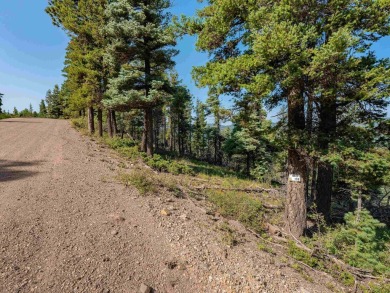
{"x":199,"y":131}
{"x":83,"y":21}
{"x":42,"y":109}
{"x":220,"y":115}
{"x":248,"y":142}
{"x":54,"y":102}
{"x":139,"y":54}
{"x":15,"y":112}
{"x":1,"y":102}
{"x":295,"y":53}
{"x":178,"y":112}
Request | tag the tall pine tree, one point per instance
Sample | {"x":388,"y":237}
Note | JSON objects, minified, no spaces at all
{"x":139,"y":54}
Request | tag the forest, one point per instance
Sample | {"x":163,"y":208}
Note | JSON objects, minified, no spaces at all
{"x":327,"y":150}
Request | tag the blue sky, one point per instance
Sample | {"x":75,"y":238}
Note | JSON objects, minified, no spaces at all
{"x":32,"y":52}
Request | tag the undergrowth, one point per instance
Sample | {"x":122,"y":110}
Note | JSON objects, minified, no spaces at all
{"x":140,"y":180}
{"x":239,"y":205}
{"x":5,"y":116}
{"x":361,"y":242}
{"x":229,"y":236}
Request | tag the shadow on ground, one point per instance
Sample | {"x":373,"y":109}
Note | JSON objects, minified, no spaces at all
{"x":17,"y":121}
{"x":15,"y":170}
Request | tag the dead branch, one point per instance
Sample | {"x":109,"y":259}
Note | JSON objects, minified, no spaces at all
{"x":248,"y":190}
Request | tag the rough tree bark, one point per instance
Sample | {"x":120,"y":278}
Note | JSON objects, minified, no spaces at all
{"x":149,"y":131}
{"x":91,"y":121}
{"x":295,"y":211}
{"x":100,"y":122}
{"x":144,"y":134}
{"x":109,"y":124}
{"x":147,"y":135}
{"x":114,"y":124}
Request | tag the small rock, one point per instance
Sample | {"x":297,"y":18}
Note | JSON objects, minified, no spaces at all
{"x":184,"y":217}
{"x":117,"y":218}
{"x":145,"y":289}
{"x":114,"y":232}
{"x":165,"y":212}
{"x":171,"y":264}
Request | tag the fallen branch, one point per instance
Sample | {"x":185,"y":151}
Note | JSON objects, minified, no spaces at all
{"x":357,"y":272}
{"x":272,"y":207}
{"x":249,"y":190}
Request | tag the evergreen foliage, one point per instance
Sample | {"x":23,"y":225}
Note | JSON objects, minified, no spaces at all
{"x":362,"y":242}
{"x":1,"y":102}
{"x":42,"y":109}
{"x":54,"y":103}
{"x":315,"y":57}
{"x":139,"y":54}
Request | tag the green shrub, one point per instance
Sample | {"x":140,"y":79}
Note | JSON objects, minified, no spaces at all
{"x":79,"y":123}
{"x":158,"y":163}
{"x":5,"y":116}
{"x":141,"y":180}
{"x":304,"y":256}
{"x":375,"y":288}
{"x":119,"y":143}
{"x":126,"y":147}
{"x":240,"y":206}
{"x":229,"y":236}
{"x":362,"y":242}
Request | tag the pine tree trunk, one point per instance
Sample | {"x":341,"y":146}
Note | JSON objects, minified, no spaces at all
{"x":109,"y":124}
{"x":326,"y":132}
{"x":324,"y":189}
{"x":296,"y":202}
{"x":215,"y":150}
{"x":164,"y":132}
{"x":248,"y":164}
{"x":295,"y":211}
{"x":155,"y":129}
{"x":144,"y":146}
{"x":91,"y":121}
{"x":149,"y":131}
{"x":100,"y":122}
{"x":114,"y":124}
{"x":313,"y":188}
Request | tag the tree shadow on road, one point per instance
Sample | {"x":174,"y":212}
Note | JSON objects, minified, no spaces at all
{"x":18,"y":121}
{"x":15,"y":170}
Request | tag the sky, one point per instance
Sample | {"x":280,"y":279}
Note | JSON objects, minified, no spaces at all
{"x":32,"y":52}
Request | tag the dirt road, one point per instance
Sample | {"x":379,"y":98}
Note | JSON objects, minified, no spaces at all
{"x":66,"y":226}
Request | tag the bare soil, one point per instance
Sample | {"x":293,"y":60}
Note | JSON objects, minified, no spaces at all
{"x":66,"y":225}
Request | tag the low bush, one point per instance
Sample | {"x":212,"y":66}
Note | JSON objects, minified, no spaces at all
{"x":240,"y":206}
{"x":141,"y":180}
{"x":362,"y":242}
{"x":118,"y":143}
{"x":158,"y":163}
{"x":79,"y":123}
{"x":5,"y":116}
